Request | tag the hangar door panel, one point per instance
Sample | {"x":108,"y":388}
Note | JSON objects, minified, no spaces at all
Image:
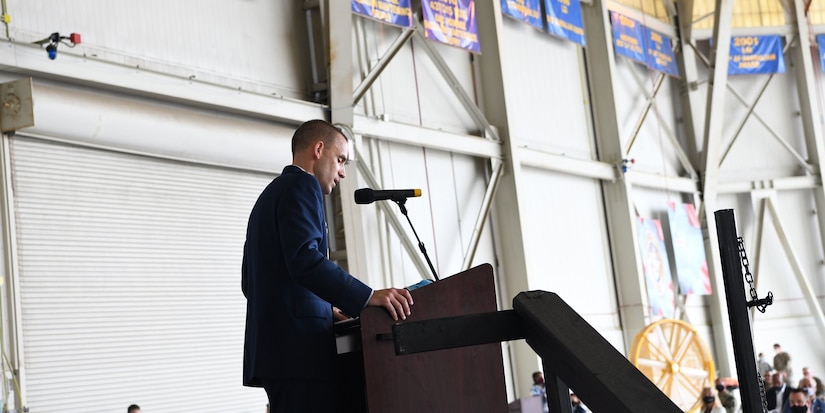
{"x":130,"y":280}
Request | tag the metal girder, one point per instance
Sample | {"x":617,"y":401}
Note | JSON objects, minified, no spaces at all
{"x":807,"y":87}
{"x":392,"y":218}
{"x":427,"y":138}
{"x":462,"y":95}
{"x":674,"y":142}
{"x":483,"y":214}
{"x":752,"y":112}
{"x":385,"y":60}
{"x":13,"y":311}
{"x":714,"y":120}
{"x":789,"y":183}
{"x":617,"y":194}
{"x":807,"y":292}
{"x":26,"y":59}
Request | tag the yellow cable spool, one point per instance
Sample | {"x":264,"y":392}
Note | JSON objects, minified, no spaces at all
{"x":675,"y":358}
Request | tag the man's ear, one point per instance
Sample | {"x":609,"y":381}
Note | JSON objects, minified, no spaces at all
{"x":316,"y":150}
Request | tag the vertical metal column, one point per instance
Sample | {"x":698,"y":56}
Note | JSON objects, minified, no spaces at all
{"x":749,"y":388}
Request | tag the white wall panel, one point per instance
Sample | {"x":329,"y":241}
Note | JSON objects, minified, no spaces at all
{"x":258,"y":45}
{"x":130,"y":280}
{"x":568,"y":253}
{"x":411,"y":90}
{"x":452,"y":186}
{"x":652,"y":147}
{"x":547,"y":103}
{"x":757,"y":154}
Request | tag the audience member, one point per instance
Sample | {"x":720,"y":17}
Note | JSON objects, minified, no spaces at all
{"x":576,"y":403}
{"x":762,"y":364}
{"x":782,"y":362}
{"x":538,"y":390}
{"x":728,"y":392}
{"x":778,"y":393}
{"x":819,"y":387}
{"x":710,"y":403}
{"x":800,"y":402}
{"x":133,"y":409}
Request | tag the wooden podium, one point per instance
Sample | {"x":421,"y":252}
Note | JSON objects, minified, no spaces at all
{"x":466,"y":379}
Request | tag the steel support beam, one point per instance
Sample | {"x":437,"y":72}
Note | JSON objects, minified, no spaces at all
{"x":714,"y":122}
{"x":12,"y":339}
{"x":674,"y":142}
{"x":807,"y":292}
{"x":810,"y":107}
{"x":618,"y":205}
{"x":462,"y":95}
{"x":483,"y":214}
{"x":392,"y":218}
{"x":341,"y":112}
{"x":385,"y":60}
{"x":493,"y":78}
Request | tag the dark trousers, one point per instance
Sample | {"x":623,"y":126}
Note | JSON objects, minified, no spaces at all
{"x":293,"y":396}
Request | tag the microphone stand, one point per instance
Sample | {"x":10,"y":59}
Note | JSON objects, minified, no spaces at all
{"x":401,"y":201}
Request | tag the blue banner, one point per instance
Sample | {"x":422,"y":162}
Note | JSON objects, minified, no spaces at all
{"x":395,"y":12}
{"x":756,"y":55}
{"x":820,"y":41}
{"x":660,"y":53}
{"x":452,"y":22}
{"x":525,"y":10}
{"x":564,"y":19}
{"x":628,"y":37}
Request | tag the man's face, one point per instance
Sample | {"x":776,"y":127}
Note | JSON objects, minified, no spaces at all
{"x":329,"y":169}
{"x":797,"y":399}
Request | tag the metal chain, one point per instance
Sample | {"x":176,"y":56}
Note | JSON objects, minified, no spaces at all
{"x":760,"y":305}
{"x":746,"y":265}
{"x":762,"y":392}
{"x":754,"y":297}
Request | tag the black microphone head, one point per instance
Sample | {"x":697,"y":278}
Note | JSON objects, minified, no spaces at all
{"x":364,"y":196}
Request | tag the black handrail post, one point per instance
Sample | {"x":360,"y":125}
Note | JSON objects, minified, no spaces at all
{"x":738,"y":312}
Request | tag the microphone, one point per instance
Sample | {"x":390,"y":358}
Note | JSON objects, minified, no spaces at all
{"x":368,"y":196}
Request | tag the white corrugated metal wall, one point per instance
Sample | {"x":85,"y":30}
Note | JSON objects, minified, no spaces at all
{"x":130,"y":280}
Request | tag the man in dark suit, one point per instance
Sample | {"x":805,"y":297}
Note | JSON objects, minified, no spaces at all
{"x":290,"y":284}
{"x":777,"y":395}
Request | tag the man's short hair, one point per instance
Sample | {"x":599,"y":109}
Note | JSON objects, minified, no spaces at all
{"x":312,"y":131}
{"x":133,"y":408}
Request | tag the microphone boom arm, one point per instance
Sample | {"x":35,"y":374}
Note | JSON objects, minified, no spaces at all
{"x":401,"y":201}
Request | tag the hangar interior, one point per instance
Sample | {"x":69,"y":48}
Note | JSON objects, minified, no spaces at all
{"x":124,"y":200}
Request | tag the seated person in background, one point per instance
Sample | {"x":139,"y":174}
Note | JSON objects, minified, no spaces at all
{"x":538,"y":390}
{"x":576,"y":404}
{"x":710,"y":404}
{"x":800,"y":402}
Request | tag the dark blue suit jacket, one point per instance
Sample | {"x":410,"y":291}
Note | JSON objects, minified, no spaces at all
{"x":289,"y":284}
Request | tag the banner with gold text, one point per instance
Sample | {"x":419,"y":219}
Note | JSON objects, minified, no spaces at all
{"x":756,"y":55}
{"x":452,"y":22}
{"x":628,"y":37}
{"x":395,"y":12}
{"x":660,"y":55}
{"x":524,"y":10}
{"x":564,"y":19}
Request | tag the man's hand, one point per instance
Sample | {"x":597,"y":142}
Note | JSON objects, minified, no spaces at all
{"x":339,"y":315}
{"x":397,"y":301}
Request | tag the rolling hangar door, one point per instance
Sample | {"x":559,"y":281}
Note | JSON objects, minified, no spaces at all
{"x":129,"y":279}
